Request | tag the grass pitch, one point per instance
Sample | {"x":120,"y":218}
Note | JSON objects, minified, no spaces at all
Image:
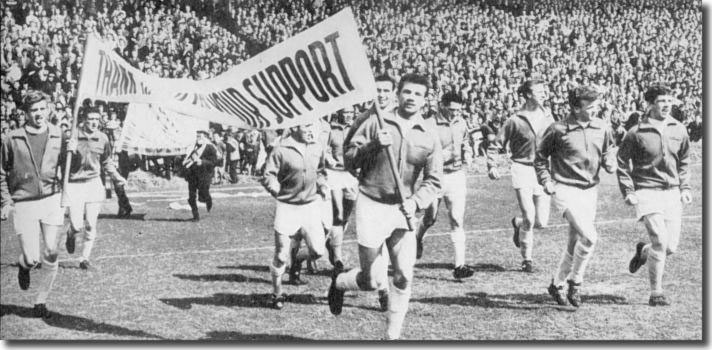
{"x":162,"y":277}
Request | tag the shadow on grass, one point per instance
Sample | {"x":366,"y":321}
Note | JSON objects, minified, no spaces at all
{"x":76,"y":323}
{"x":253,"y":337}
{"x":258,"y":268}
{"x":139,"y":217}
{"x":186,"y":219}
{"x":222,"y":278}
{"x":476,"y":267}
{"x":520,"y":301}
{"x":238,"y":300}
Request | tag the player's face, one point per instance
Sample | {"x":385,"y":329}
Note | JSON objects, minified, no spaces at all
{"x":411,"y":98}
{"x":540,"y":93}
{"x":200,"y":138}
{"x":307,"y":133}
{"x":662,"y":106}
{"x":384,"y":93}
{"x":588,"y":110}
{"x":92,"y":122}
{"x":38,"y":113}
{"x":455,"y":109}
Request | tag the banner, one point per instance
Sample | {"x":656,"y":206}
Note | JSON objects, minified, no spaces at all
{"x":312,"y":74}
{"x":154,"y":131}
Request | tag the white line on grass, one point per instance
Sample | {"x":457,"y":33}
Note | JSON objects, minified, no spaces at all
{"x":233,"y":250}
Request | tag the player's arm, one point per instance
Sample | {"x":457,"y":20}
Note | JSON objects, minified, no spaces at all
{"x":683,"y":168}
{"x":270,"y":179}
{"x":107,"y":162}
{"x":362,"y":146}
{"x":625,"y":167}
{"x":321,"y":184}
{"x":465,"y":149}
{"x":609,"y":150}
{"x":432,"y":177}
{"x":544,"y":149}
{"x":5,"y":168}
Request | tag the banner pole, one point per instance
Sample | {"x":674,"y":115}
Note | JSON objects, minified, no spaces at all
{"x":75,"y":117}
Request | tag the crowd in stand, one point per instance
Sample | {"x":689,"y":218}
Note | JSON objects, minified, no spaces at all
{"x":481,"y":50}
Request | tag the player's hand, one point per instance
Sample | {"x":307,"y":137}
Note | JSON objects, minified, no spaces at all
{"x":384,"y":138}
{"x":686,"y":196}
{"x":324,"y":191}
{"x":631,"y":199}
{"x":408,"y":208}
{"x":5,"y":212}
{"x":199,"y":162}
{"x":121,"y":182}
{"x":493,"y":173}
{"x":72,"y":144}
{"x":549,"y":188}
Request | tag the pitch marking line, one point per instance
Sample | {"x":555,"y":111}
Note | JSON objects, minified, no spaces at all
{"x":233,"y":250}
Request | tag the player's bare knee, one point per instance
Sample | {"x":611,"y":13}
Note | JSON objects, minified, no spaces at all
{"x":527,"y":222}
{"x":88,"y":227}
{"x":401,"y":281}
{"x":50,"y":255}
{"x":366,"y":281}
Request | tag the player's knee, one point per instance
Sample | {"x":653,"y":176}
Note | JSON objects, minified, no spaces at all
{"x":50,"y":256}
{"x":671,"y":250}
{"x":527,"y":221}
{"x":277,"y":268}
{"x":401,"y":281}
{"x":88,"y":227}
{"x":589,"y":240}
{"x":366,"y":281}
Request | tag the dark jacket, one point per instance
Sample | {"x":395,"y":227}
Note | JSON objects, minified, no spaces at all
{"x":519,"y":132}
{"x":419,"y":152}
{"x":208,"y":158}
{"x":649,"y":159}
{"x":93,"y":153}
{"x":294,"y":170}
{"x":24,"y":178}
{"x":577,"y":153}
{"x":453,"y":135}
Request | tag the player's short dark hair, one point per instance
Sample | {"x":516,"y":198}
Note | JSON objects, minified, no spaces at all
{"x":414,"y":79}
{"x":386,"y":77}
{"x":451,"y":97}
{"x":204,"y":132}
{"x":579,"y":94}
{"x":526,"y":87}
{"x":32,"y":97}
{"x":656,"y":90}
{"x":90,"y":110}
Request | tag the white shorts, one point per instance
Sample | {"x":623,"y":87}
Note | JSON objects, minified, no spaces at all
{"x":289,"y":218}
{"x":338,"y":179}
{"x":82,"y":192}
{"x":581,"y":203}
{"x":28,"y":215}
{"x":524,"y":177}
{"x":658,"y":201}
{"x":375,"y":221}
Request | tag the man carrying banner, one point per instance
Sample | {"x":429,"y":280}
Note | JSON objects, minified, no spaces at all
{"x":569,"y":156}
{"x":653,"y":173}
{"x":294,"y":175}
{"x":199,"y":166}
{"x":452,"y":131}
{"x":381,"y":217}
{"x":521,"y":132}
{"x":29,"y":184}
{"x":85,"y":191}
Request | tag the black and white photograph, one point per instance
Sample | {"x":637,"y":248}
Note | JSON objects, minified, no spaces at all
{"x":345,"y":171}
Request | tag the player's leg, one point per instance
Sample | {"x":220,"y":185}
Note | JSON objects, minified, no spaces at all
{"x":76,"y":216}
{"x":27,"y":228}
{"x":277,"y":267}
{"x":336,"y":236}
{"x":454,"y":197}
{"x":542,"y":206}
{"x":92,"y":215}
{"x":525,"y":226}
{"x":582,"y":223}
{"x":192,"y":196}
{"x":400,"y":247}
{"x":428,"y":220}
{"x":656,"y":254}
{"x":204,"y":193}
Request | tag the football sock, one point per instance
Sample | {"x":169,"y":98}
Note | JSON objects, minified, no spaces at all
{"x":337,"y":239}
{"x":348,"y":280}
{"x":564,"y":268}
{"x":397,"y":308}
{"x":458,"y":240}
{"x":380,"y":271}
{"x":90,"y":236}
{"x":526,"y":243}
{"x":46,"y":275}
{"x":656,"y":265}
{"x":582,"y":255}
{"x":276,"y":273}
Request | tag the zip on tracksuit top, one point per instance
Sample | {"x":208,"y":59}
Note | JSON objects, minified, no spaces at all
{"x":294,"y":170}
{"x":416,"y":149}
{"x":521,"y":131}
{"x":577,"y":153}
{"x":24,"y":178}
{"x":649,"y":157}
{"x":454,"y":139}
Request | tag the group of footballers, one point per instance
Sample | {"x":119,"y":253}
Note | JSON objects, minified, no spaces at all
{"x":373,"y":166}
{"x":388,"y":164}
